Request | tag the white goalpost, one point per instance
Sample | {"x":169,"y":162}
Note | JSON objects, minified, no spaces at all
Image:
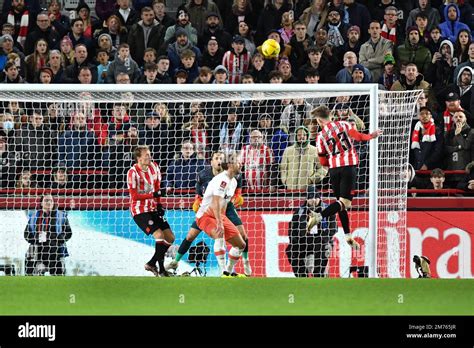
{"x":73,"y":144}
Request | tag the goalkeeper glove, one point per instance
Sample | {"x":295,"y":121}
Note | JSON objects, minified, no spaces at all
{"x":160,"y":210}
{"x":197,"y":203}
{"x":314,"y":219}
{"x":237,"y":199}
{"x":159,"y":193}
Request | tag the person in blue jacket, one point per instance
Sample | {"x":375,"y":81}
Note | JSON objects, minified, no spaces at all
{"x":183,"y":171}
{"x":47,"y":232}
{"x":451,"y":27}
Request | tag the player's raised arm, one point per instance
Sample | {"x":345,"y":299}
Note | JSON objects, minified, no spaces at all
{"x":356,"y":135}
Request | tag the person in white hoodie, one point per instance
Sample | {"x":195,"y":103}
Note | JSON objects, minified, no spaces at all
{"x":462,"y":87}
{"x":441,"y":68}
{"x":469,"y":62}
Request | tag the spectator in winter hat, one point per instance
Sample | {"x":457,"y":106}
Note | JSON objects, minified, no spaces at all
{"x":413,"y":52}
{"x":345,"y":75}
{"x":67,"y":51}
{"x":181,"y":44}
{"x":358,"y":74}
{"x":220,"y":75}
{"x":182,"y":21}
{"x":440,"y":71}
{"x":181,"y":76}
{"x":336,"y":28}
{"x":90,"y":23}
{"x":7,"y":46}
{"x":105,"y":43}
{"x":351,"y":43}
{"x":212,"y":54}
{"x":198,"y":11}
{"x":236,"y":60}
{"x":213,"y":29}
{"x":453,"y":105}
{"x":389,"y":75}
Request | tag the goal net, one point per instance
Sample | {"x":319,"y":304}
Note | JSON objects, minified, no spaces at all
{"x":65,"y":152}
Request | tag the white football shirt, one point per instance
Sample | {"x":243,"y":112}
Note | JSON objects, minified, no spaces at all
{"x":220,"y":185}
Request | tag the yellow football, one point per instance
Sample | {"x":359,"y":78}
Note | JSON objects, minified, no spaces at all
{"x":270,"y":48}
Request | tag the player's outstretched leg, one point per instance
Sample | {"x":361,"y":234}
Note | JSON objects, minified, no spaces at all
{"x":344,"y":218}
{"x":340,"y":207}
{"x":332,"y":209}
{"x":184,"y":246}
{"x":245,"y":252}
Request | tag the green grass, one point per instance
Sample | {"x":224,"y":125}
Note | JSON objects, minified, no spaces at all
{"x":251,"y":296}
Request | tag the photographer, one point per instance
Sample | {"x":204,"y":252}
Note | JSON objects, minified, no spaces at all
{"x":47,"y":231}
{"x":310,"y":243}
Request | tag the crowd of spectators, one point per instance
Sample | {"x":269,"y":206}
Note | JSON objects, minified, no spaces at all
{"x":401,"y":45}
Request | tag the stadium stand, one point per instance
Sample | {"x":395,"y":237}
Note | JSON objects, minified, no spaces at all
{"x":191,"y":32}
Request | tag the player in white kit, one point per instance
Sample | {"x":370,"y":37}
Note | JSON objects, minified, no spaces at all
{"x":211,"y":216}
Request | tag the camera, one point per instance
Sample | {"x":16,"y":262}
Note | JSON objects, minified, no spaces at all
{"x":198,"y":255}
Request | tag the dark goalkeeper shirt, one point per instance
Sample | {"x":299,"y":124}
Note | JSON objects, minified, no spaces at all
{"x":205,"y":176}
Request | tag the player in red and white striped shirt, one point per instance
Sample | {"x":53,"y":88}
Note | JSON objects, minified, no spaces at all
{"x":143,"y":181}
{"x":256,"y":159}
{"x":337,"y":152}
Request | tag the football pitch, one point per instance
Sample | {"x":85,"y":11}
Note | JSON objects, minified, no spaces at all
{"x":236,"y":296}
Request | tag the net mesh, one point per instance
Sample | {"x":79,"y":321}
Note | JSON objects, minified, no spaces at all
{"x":396,"y":110}
{"x":76,"y":148}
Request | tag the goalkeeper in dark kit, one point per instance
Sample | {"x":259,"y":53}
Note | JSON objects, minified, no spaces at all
{"x":310,"y":241}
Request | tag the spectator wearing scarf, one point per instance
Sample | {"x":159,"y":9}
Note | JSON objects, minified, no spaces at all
{"x":19,"y":17}
{"x":337,"y":30}
{"x":426,"y":143}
